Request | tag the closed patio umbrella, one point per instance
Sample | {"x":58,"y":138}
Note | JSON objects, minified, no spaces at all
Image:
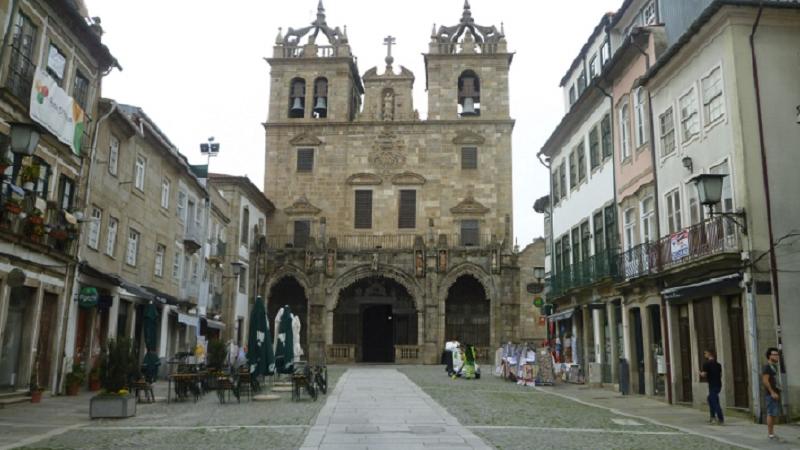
{"x":151,"y":361}
{"x":259,"y":348}
{"x":284,"y":349}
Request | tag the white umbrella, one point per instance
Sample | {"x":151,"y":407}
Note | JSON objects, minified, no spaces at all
{"x":298,"y":350}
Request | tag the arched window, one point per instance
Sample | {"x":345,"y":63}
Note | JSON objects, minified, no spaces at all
{"x":469,"y":94}
{"x":297,"y":98}
{"x":320,"y":98}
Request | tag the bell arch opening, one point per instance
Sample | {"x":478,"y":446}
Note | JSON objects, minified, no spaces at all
{"x":468,"y":312}
{"x":375,"y":314}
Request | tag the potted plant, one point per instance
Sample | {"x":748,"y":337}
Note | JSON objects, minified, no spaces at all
{"x":117,"y":367}
{"x":74,"y":379}
{"x":35,"y":389}
{"x":13,"y":206}
{"x":28,"y":176}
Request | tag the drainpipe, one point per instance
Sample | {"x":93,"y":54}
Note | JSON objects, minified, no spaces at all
{"x":665,"y":331}
{"x":773,"y":263}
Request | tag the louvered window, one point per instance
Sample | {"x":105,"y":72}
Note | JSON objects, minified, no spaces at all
{"x":305,"y":159}
{"x":302,"y":230}
{"x":470,"y":233}
{"x":363,"y":215}
{"x":408,"y":209}
{"x":469,"y":158}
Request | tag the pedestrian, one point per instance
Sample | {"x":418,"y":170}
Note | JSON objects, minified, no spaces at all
{"x":770,"y":378}
{"x":712,"y":373}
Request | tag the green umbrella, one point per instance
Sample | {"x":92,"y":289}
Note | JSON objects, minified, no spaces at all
{"x":151,"y":360}
{"x":284,"y":351}
{"x":259,"y":346}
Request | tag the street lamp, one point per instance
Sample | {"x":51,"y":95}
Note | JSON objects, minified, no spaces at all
{"x":24,"y":138}
{"x":709,"y":192}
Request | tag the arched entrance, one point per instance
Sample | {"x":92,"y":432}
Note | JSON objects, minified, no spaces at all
{"x":375,"y":314}
{"x":288,"y":291}
{"x":467,"y":312}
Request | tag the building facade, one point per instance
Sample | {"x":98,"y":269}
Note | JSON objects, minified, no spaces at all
{"x":391,"y":234}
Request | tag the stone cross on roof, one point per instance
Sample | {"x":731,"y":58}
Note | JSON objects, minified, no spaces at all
{"x":388,"y":41}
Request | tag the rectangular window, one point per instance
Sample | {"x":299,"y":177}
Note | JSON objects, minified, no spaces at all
{"x":611,"y":227}
{"x":599,"y":237}
{"x":576,"y":245}
{"x":408,"y":209}
{"x":605,"y":136}
{"x":195,"y":271}
{"x":80,"y":89}
{"x":573,"y":173}
{"x":594,"y":147}
{"x":629,"y":221}
{"x":159,"y":264}
{"x":726,"y":200}
{"x":556,"y":188}
{"x":245,"y":232}
{"x":648,"y":220}
{"x":243,"y":280}
{"x":581,"y":152}
{"x":713,"y":107}
{"x":111,"y":236}
{"x":363,"y":209}
{"x":640,"y":115}
{"x":305,"y":159}
{"x":56,"y":64}
{"x":165,"y":193}
{"x":566,"y":252}
{"x":470,"y":233}
{"x":586,"y":237}
{"x":138,"y":180}
{"x":21,"y":65}
{"x":667,"y":127}
{"x":593,"y":68}
{"x":696,"y":214}
{"x":572,"y":95}
{"x":581,"y":83}
{"x":690,"y":125}
{"x":562,"y":176}
{"x":94,"y":228}
{"x":558,"y":258}
{"x":302,"y":231}
{"x":66,"y":193}
{"x":180,"y":209}
{"x":624,"y":133}
{"x":674,"y":210}
{"x":469,"y":158}
{"x":605,"y":53}
{"x":176,"y":266}
{"x":42,"y":183}
{"x":133,"y":248}
{"x":113,"y":155}
{"x":649,"y":16}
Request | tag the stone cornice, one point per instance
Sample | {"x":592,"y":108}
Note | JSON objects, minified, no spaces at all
{"x":408,"y":179}
{"x":302,"y":207}
{"x":364,"y":179}
{"x":467,"y":137}
{"x":469,"y":206}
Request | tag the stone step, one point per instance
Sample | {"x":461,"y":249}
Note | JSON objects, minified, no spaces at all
{"x":7,"y":400}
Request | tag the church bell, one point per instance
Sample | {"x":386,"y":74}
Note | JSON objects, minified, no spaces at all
{"x":469,"y":107}
{"x":322,"y":105}
{"x":297,"y":106}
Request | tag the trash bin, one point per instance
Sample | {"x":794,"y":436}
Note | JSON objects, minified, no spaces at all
{"x":624,"y":377}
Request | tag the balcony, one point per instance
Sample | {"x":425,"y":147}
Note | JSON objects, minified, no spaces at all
{"x":713,"y":237}
{"x":594,"y":269}
{"x":217,"y":251}
{"x":192,"y":238}
{"x":46,"y":232}
{"x":215,"y":304}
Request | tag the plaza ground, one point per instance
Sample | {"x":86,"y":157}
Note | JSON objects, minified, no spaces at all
{"x":388,"y":406}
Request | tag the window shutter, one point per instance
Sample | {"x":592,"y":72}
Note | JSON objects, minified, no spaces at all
{"x":363,"y":214}
{"x":302,"y":230}
{"x":469,"y":233}
{"x":305,"y":159}
{"x":469,"y":158}
{"x":408,"y":209}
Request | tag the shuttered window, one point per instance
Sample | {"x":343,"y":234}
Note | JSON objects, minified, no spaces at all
{"x":302,"y":230}
{"x":363,"y":214}
{"x":470,"y":233}
{"x":408,"y":209}
{"x":305,"y":159}
{"x":469,"y":158}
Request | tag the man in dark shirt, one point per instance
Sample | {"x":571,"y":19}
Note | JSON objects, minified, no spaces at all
{"x":712,"y":373}
{"x":770,"y":378}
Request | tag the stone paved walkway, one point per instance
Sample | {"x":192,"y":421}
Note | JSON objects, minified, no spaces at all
{"x":380,"y":408}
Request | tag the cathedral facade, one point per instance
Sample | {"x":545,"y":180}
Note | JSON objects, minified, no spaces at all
{"x":391,"y":234}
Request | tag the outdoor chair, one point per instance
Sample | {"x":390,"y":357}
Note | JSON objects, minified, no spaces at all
{"x":302,"y":379}
{"x":245,"y":382}
{"x":225,"y":387}
{"x":140,"y":386}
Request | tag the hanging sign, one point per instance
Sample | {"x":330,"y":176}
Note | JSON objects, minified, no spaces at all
{"x":52,"y":108}
{"x":679,"y":245}
{"x":87,"y":297}
{"x":538,"y":302}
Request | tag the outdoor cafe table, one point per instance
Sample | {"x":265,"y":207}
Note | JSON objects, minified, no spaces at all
{"x":182,"y":378}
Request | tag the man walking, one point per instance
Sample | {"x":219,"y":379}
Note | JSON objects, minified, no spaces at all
{"x":712,"y":373}
{"x":770,"y":378}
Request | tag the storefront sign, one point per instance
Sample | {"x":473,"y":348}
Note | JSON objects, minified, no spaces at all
{"x":679,"y":245}
{"x":87,"y":297}
{"x":192,"y":321}
{"x":538,"y":302}
{"x":52,"y":108}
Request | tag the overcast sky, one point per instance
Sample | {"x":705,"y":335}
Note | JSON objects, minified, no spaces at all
{"x":196,"y":67}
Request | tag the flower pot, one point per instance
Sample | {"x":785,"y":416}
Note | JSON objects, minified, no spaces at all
{"x":111,"y":406}
{"x":36,"y":220}
{"x":13,"y":208}
{"x":36,"y":396}
{"x":73,"y":389}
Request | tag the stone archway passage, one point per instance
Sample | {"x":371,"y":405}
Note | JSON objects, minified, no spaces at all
{"x":467,"y":312}
{"x":375,"y":314}
{"x":288,"y":291}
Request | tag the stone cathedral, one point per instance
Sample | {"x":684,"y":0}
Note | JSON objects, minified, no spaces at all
{"x":391,"y":234}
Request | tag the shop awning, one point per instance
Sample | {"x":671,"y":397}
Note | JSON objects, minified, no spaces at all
{"x":136,"y":290}
{"x":192,"y":321}
{"x":563,"y":315}
{"x":90,"y":271}
{"x":216,"y":324}
{"x":712,"y":286}
{"x":161,"y":297}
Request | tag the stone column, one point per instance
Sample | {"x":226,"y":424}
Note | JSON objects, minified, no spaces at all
{"x":162,"y":344}
{"x":722,"y":336}
{"x":647,"y":345}
{"x":612,"y":332}
{"x":674,"y":352}
{"x":132,"y":320}
{"x":586,"y":329}
{"x":113,"y":314}
{"x":599,"y":341}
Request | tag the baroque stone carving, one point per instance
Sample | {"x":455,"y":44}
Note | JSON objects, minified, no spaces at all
{"x":408,"y":179}
{"x":302,"y":207}
{"x":306,"y":139}
{"x":364,"y":179}
{"x":469,"y":206}
{"x":387,"y":155}
{"x":467,"y":137}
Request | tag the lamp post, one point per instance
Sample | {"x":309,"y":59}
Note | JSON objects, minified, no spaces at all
{"x":709,"y":192}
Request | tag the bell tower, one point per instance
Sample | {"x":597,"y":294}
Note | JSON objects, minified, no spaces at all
{"x":467,"y":69}
{"x":313,"y":80}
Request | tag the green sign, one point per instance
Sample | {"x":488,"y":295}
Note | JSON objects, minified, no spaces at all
{"x":87,"y":297}
{"x":538,"y":302}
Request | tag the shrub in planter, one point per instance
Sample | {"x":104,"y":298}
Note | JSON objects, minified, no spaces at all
{"x":74,"y":379}
{"x":216,"y":354}
{"x":94,"y":378}
{"x":118,"y":368}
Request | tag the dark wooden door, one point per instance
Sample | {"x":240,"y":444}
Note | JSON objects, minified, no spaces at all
{"x":738,"y":351}
{"x":636,"y":315}
{"x":704,"y":327}
{"x":684,"y":344}
{"x":47,"y":330}
{"x":82,"y":334}
{"x":378,"y":337}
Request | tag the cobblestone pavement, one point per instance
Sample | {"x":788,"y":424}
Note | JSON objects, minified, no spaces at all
{"x":63,"y":423}
{"x":509,"y":416}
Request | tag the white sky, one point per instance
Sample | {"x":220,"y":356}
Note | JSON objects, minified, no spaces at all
{"x":196,"y":67}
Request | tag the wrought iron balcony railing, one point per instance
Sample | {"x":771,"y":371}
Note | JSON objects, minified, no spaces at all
{"x":584,"y":273}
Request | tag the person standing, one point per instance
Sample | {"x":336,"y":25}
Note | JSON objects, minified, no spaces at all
{"x":770,"y":378}
{"x":712,"y":373}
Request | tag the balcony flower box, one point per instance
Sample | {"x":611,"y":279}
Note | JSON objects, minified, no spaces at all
{"x":13,"y":207}
{"x":59,"y":235}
